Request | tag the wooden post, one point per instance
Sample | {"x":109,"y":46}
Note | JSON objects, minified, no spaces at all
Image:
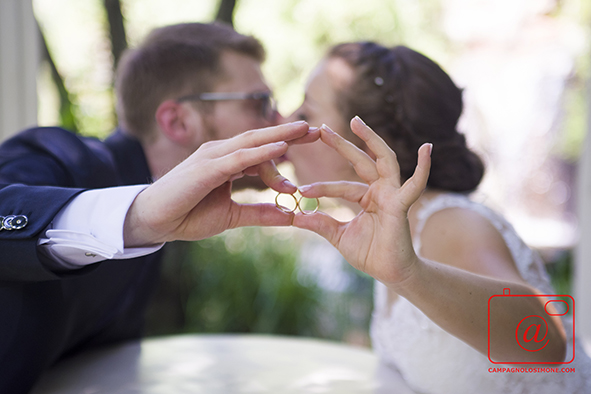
{"x":19,"y":60}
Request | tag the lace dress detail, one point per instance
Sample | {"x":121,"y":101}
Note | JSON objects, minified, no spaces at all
{"x":433,"y":361}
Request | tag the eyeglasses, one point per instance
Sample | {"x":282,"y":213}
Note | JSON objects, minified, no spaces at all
{"x":268,"y":104}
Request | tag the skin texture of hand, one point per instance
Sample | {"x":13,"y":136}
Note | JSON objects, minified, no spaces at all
{"x":377,"y":241}
{"x":193,"y":200}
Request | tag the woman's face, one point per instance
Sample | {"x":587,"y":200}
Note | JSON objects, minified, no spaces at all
{"x":318,"y":162}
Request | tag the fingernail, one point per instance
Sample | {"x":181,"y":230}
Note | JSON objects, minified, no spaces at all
{"x":299,"y":123}
{"x":280,"y":143}
{"x":325,"y":127}
{"x":289,"y":184}
{"x":360,"y":120}
{"x":430,"y":148}
{"x":304,"y":189}
{"x":312,"y":129}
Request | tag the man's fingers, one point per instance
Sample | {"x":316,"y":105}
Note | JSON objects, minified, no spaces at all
{"x":364,"y":165}
{"x":244,"y":215}
{"x":350,"y":191}
{"x":240,"y":160}
{"x":259,"y":137}
{"x":312,"y":135}
{"x":414,"y":186}
{"x":272,"y":178}
{"x":387,"y":164}
{"x":322,"y":224}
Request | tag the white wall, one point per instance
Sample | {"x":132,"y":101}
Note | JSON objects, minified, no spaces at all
{"x":19,"y":58}
{"x":582,"y":274}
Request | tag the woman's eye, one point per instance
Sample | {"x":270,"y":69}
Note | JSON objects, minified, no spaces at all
{"x":302,"y":116}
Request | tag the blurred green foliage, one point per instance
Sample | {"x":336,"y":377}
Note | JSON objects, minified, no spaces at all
{"x":244,"y":281}
{"x":560,"y":268}
{"x":249,"y":280}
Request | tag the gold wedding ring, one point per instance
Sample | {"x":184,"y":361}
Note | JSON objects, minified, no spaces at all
{"x":284,"y":208}
{"x":298,"y":205}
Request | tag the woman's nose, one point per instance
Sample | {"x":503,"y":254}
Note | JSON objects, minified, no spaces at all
{"x":292,"y":118}
{"x":277,"y":119}
{"x":280,"y":119}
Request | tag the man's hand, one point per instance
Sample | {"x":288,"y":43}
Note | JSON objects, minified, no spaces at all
{"x":193,"y":200}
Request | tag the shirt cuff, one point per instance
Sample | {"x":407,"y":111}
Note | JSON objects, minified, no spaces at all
{"x":90,"y":229}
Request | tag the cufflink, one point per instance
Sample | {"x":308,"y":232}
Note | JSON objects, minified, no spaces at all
{"x":13,"y":222}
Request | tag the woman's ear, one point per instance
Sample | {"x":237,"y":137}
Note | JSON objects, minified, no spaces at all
{"x":177,"y":122}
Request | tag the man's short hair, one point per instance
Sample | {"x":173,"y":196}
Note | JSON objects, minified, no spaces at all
{"x":173,"y":61}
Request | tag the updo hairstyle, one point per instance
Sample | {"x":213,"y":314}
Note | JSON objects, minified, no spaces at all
{"x":408,"y":100}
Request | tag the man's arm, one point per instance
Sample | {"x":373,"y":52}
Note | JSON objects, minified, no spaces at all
{"x":39,"y":204}
{"x":193,"y":200}
{"x":198,"y":190}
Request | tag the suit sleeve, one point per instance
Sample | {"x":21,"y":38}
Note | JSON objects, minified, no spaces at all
{"x":18,"y":248}
{"x":41,"y":170}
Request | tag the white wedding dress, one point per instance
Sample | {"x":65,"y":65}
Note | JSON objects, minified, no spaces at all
{"x":433,"y":361}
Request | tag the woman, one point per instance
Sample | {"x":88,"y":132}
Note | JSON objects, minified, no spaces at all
{"x":438,"y":257}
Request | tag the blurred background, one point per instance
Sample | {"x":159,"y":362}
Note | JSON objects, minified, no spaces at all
{"x":524,"y":66}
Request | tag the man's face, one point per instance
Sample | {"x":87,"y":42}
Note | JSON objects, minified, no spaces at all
{"x":242,"y":74}
{"x":227,"y":118}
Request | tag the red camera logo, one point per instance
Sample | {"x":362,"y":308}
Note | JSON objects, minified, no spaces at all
{"x":531,"y":333}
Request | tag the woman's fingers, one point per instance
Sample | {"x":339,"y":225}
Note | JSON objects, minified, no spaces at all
{"x":414,"y":186}
{"x":350,"y":191}
{"x":386,"y":162}
{"x":364,"y":165}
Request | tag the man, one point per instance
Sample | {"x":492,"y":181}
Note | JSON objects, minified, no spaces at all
{"x":67,"y":215}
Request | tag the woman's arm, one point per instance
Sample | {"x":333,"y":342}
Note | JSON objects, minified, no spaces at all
{"x":378,"y":242}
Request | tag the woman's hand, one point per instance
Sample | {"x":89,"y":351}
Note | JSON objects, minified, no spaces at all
{"x":377,"y":241}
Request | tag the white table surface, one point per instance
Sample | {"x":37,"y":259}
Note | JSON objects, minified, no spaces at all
{"x":223,"y":364}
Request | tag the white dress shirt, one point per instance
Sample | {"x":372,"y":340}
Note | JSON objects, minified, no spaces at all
{"x":90,"y":229}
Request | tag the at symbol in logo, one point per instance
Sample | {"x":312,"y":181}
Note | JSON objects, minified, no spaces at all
{"x":531,"y":333}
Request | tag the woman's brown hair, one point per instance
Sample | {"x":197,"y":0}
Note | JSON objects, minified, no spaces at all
{"x":408,"y":100}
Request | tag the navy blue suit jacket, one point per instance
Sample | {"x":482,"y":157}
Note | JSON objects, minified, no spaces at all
{"x":45,"y":315}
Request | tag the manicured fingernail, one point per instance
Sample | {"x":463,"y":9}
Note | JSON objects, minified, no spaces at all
{"x":360,"y":120}
{"x":430,"y":145}
{"x":312,"y":129}
{"x":281,"y":143}
{"x":304,"y":189}
{"x":325,"y":127}
{"x":289,"y":184}
{"x":299,"y":123}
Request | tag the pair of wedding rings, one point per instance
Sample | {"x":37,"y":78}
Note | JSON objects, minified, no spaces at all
{"x":298,"y":205}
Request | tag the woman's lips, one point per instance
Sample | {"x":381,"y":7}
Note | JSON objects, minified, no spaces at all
{"x":281,"y":159}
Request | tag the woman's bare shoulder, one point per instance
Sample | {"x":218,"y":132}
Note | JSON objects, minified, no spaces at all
{"x":464,"y":238}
